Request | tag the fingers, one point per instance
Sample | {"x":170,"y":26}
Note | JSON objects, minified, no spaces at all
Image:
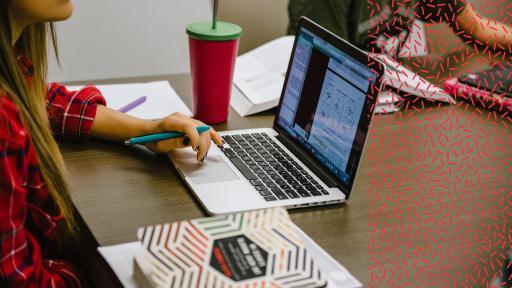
{"x":200,"y":143}
{"x":168,"y":145}
{"x":186,"y":141}
{"x":195,"y":139}
{"x":215,"y":137}
{"x":182,"y":123}
{"x":205,"y":144}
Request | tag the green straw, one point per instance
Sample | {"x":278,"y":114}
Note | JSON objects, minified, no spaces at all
{"x":215,"y":9}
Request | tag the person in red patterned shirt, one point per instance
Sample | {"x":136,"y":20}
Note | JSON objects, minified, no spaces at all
{"x":36,"y":212}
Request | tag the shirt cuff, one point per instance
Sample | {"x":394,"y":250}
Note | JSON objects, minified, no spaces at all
{"x":72,"y":113}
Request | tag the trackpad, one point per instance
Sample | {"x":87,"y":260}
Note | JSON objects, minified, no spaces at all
{"x":214,"y":169}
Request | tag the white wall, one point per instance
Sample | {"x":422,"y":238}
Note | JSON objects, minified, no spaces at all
{"x":123,"y":38}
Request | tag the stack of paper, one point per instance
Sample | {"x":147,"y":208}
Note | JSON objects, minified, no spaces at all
{"x":388,"y":102}
{"x":259,"y":76}
{"x":161,"y":99}
{"x":399,"y":78}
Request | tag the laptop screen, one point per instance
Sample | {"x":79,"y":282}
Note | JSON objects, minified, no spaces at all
{"x":323,"y":104}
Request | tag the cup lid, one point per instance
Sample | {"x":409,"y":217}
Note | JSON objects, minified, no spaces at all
{"x":223,"y":32}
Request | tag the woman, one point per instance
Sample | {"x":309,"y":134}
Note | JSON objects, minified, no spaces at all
{"x":36,"y":215}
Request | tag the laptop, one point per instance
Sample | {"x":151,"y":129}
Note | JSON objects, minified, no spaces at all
{"x":311,"y":155}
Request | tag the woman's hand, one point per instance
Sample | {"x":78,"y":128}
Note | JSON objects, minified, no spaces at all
{"x":116,"y":126}
{"x":179,"y":122}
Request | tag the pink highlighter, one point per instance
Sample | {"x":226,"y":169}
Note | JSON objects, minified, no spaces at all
{"x":477,"y":96}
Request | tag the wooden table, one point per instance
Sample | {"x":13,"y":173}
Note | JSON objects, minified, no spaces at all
{"x":422,"y":195}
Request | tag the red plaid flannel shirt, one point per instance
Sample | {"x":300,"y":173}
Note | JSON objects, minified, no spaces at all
{"x":28,"y":214}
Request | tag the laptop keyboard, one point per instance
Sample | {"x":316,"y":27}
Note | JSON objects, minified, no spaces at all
{"x":269,"y":168}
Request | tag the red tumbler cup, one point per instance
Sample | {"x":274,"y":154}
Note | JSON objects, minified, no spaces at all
{"x":212,"y":62}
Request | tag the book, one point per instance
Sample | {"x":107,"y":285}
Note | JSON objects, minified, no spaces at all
{"x":259,"y":76}
{"x":490,"y":89}
{"x":161,"y":99}
{"x":120,"y":257}
{"x":258,"y":248}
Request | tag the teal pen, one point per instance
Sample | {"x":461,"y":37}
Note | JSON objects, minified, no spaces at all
{"x":162,"y":136}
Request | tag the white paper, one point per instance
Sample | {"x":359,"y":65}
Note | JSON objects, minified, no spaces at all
{"x":416,"y":44}
{"x":388,"y":102}
{"x":386,"y":108}
{"x":259,"y":76}
{"x":403,"y":79}
{"x":120,"y":258}
{"x":388,"y":97}
{"x":337,"y":275}
{"x":274,"y":55}
{"x":161,"y":100}
{"x":258,"y":84}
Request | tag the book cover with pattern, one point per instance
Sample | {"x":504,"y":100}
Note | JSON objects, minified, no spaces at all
{"x":250,"y":249}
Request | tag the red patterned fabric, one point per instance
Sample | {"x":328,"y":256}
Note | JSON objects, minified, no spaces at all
{"x":28,"y":215}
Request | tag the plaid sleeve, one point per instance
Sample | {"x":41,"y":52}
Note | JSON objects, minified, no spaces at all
{"x":71,"y":113}
{"x":21,"y":260}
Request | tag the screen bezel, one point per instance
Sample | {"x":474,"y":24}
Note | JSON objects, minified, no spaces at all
{"x":368,"y":109}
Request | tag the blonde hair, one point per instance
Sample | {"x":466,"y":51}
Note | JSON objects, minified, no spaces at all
{"x":31,"y":102}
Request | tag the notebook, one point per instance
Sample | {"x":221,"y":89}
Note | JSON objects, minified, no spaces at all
{"x":259,"y":248}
